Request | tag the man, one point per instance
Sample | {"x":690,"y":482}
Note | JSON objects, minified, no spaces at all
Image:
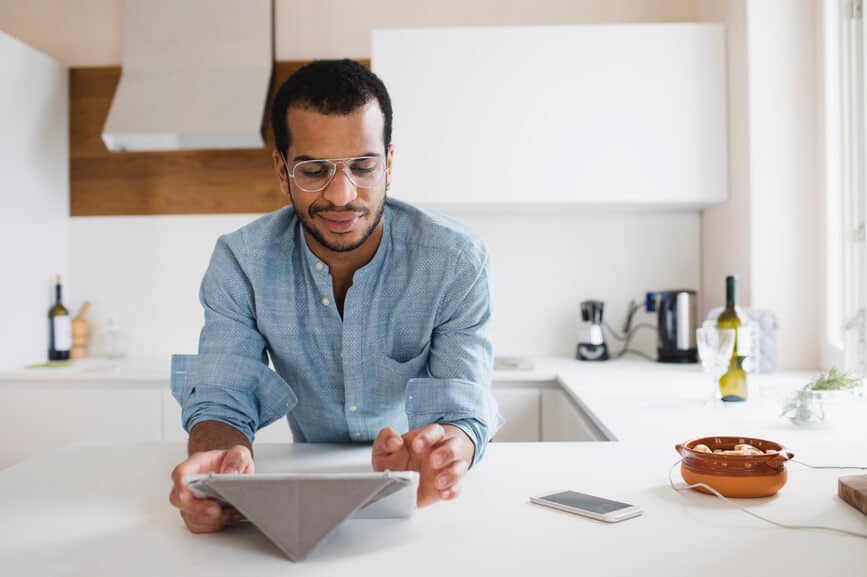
{"x":374,"y":313}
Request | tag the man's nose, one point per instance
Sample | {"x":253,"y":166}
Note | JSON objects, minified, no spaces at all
{"x":340,"y":191}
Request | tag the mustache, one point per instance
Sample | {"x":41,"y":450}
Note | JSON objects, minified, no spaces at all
{"x":359,"y":210}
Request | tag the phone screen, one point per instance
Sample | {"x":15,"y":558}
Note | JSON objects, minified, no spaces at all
{"x":586,"y":502}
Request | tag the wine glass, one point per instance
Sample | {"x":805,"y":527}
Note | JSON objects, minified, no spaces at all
{"x":715,"y":347}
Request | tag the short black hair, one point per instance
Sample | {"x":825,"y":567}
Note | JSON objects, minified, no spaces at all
{"x":328,"y":87}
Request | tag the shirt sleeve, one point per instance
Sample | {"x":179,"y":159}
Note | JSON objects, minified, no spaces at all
{"x":229,"y":380}
{"x":460,"y":366}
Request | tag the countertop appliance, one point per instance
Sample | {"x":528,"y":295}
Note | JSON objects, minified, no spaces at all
{"x":676,"y":313}
{"x":591,"y":341}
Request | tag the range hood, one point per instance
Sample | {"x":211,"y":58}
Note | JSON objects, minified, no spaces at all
{"x":196,"y":75}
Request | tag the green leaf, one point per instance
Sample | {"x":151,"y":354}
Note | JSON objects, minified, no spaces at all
{"x":834,"y":380}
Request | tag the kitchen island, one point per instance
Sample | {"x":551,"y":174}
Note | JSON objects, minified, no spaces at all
{"x":103,"y":510}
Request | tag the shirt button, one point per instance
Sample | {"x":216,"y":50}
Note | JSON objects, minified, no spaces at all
{"x":353,"y":408}
{"x":325,"y":302}
{"x":319,"y":266}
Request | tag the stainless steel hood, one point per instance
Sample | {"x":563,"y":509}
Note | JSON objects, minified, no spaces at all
{"x":195,"y":75}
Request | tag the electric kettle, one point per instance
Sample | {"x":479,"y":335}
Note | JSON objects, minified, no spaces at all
{"x":676,"y":314}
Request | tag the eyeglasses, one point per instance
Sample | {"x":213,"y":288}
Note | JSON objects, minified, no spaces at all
{"x":316,"y":175}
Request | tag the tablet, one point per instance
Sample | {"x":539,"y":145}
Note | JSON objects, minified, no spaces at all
{"x":297,"y":510}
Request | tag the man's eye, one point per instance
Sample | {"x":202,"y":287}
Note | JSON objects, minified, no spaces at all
{"x":314,"y":171}
{"x":364,"y":166}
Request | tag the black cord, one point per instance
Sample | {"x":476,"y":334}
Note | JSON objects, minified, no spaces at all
{"x":613,"y":333}
{"x":628,"y":332}
{"x":633,"y":308}
{"x":622,"y":338}
{"x":628,"y":339}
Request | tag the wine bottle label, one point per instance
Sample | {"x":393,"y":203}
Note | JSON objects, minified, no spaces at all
{"x":62,"y":333}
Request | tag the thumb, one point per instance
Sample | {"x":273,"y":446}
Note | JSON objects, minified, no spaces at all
{"x":234,"y":461}
{"x":387,"y":441}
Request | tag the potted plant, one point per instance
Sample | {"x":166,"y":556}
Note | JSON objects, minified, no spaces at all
{"x":807,"y":404}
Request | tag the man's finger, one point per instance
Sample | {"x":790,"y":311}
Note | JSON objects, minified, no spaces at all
{"x":448,"y":477}
{"x":428,"y":437}
{"x":451,"y":492}
{"x":204,"y":508}
{"x":210,"y":524}
{"x":394,"y":443}
{"x":445,"y":454}
{"x":203,"y":462}
{"x":235,"y":461}
{"x":387,"y":441}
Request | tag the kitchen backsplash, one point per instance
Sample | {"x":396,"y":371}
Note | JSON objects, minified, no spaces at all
{"x":144,"y":272}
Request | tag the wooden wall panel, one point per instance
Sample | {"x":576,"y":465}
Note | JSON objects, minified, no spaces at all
{"x":104,"y":183}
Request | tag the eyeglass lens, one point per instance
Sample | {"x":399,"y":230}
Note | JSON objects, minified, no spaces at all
{"x":316,"y":175}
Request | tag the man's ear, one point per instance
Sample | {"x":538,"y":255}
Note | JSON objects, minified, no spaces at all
{"x":389,"y":161}
{"x":282,"y":171}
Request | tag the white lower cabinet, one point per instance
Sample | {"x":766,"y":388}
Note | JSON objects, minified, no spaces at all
{"x":522,"y":410}
{"x":563,"y":420}
{"x":35,"y":419}
{"x":38,"y":417}
{"x":543,"y":411}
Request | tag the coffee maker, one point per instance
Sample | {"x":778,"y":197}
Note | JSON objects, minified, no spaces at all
{"x":676,"y":312}
{"x":591,"y":341}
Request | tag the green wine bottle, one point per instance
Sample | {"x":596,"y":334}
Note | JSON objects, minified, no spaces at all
{"x":733,"y":384}
{"x":59,"y":331}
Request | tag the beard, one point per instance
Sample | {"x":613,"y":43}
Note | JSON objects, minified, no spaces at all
{"x":307,"y":221}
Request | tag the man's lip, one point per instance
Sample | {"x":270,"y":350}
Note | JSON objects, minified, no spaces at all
{"x":340,"y":223}
{"x":341,"y":217}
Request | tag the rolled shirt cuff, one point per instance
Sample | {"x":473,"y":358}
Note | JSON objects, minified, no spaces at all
{"x":239,"y":391}
{"x":465,"y":404}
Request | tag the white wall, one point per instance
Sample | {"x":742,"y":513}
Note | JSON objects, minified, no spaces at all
{"x":725,"y":228}
{"x":148,"y":276}
{"x":341,"y":28}
{"x":34,"y":196}
{"x":773,"y":171}
{"x":88,"y":32}
{"x":544,"y":265}
{"x":769,"y":231}
{"x":785,"y":178}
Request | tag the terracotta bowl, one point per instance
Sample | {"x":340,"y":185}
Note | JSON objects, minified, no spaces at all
{"x":735,"y":475}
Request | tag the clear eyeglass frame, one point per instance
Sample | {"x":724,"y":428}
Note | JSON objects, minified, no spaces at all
{"x":332,"y":164}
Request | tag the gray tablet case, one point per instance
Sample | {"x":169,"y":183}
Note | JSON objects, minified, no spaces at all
{"x":296,"y":511}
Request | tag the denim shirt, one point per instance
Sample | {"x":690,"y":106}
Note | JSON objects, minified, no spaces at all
{"x":412,"y":348}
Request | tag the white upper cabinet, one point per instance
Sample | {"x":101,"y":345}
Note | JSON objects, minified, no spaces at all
{"x":611,"y":115}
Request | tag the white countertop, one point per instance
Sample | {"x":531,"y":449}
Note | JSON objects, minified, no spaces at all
{"x":112,"y":515}
{"x":632,"y":399}
{"x":109,"y":515}
{"x":153,"y":371}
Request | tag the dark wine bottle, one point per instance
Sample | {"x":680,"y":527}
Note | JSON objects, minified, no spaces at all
{"x":59,"y":328}
{"x":733,"y":384}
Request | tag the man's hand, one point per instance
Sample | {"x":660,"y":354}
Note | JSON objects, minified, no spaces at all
{"x":208,"y":515}
{"x":440,"y":453}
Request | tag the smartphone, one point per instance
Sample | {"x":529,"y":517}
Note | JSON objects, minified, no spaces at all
{"x":588,"y":506}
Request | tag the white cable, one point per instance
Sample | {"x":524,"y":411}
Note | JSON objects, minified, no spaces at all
{"x":765,"y":519}
{"x":825,"y":466}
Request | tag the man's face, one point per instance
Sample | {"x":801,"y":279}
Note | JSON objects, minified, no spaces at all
{"x":342,"y":216}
